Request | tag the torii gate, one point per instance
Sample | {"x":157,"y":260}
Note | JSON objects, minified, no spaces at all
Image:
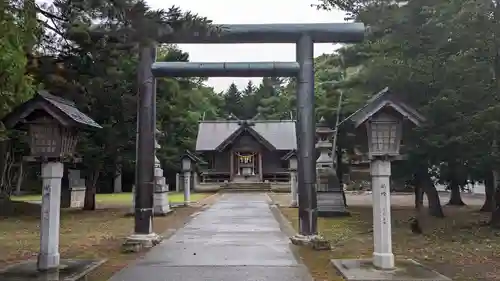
{"x":304,"y":36}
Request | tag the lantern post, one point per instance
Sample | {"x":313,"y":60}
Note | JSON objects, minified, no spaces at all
{"x":52,"y":173}
{"x":292,"y":166}
{"x":187,"y":163}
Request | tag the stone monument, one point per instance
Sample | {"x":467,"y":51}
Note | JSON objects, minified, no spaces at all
{"x":73,"y":192}
{"x":76,"y":189}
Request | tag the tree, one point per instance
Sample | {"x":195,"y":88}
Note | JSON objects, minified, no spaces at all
{"x":181,"y":104}
{"x":233,"y":102}
{"x":271,"y":101}
{"x":19,"y":31}
{"x":89,"y":46}
{"x":249,"y":101}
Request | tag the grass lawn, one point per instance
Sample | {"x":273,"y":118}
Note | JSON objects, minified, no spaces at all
{"x":84,"y":234}
{"x":118,"y":198}
{"x":457,"y":246}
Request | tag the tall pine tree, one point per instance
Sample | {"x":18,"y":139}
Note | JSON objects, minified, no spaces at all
{"x":233,"y":102}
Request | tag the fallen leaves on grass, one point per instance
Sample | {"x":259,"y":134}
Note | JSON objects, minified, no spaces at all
{"x":457,"y":246}
{"x":95,"y":234}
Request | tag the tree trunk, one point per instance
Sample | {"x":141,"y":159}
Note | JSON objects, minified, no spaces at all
{"x":117,"y":181}
{"x":495,"y":219}
{"x":419,"y":197}
{"x":417,"y":225}
{"x":495,"y":215}
{"x":20,"y":177}
{"x":435,"y":208}
{"x":489,"y":199}
{"x":424,"y":180}
{"x":3,"y":168}
{"x":340,"y":173}
{"x":90,"y":191}
{"x":455,"y":196}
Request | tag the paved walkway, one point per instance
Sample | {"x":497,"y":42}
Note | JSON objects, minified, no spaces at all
{"x":236,"y":239}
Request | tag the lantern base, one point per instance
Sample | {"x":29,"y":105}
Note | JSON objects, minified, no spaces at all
{"x":331,"y":200}
{"x":69,"y":269}
{"x":405,"y":270}
{"x":333,"y":213}
{"x":40,"y":159}
{"x":316,"y":242}
{"x":137,"y":242}
{"x":331,"y":204}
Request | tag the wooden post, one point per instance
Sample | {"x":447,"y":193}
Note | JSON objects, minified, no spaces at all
{"x":261,"y":176}
{"x":177,"y":182}
{"x":231,"y":165}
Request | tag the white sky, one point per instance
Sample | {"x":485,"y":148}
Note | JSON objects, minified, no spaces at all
{"x":247,"y":12}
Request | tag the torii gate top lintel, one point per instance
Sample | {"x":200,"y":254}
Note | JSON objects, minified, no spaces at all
{"x":275,"y":33}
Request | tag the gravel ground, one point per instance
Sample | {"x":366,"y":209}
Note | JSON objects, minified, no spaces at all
{"x":405,"y":199}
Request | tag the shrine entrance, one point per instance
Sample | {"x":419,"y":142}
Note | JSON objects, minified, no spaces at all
{"x":302,"y":68}
{"x":246,"y":164}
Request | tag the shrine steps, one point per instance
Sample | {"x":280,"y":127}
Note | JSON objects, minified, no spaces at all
{"x":246,"y":187}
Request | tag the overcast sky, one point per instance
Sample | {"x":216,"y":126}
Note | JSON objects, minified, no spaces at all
{"x":247,"y":12}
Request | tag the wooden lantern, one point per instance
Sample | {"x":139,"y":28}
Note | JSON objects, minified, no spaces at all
{"x":189,"y":161}
{"x":384,"y":117}
{"x":52,"y":124}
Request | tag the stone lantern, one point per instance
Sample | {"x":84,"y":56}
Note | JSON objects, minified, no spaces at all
{"x":52,"y":124}
{"x":330,"y":198}
{"x":291,"y":157}
{"x":187,"y":162}
{"x":161,"y":204}
{"x":380,"y":125}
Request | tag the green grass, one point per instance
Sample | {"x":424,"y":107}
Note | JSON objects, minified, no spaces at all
{"x":118,"y":198}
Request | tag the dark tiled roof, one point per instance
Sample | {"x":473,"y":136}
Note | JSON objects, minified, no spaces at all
{"x":384,"y":99}
{"x":193,"y":157}
{"x":68,"y":108}
{"x":60,"y":109}
{"x":280,"y":134}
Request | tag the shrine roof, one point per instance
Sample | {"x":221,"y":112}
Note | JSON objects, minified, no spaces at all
{"x":278,"y":133}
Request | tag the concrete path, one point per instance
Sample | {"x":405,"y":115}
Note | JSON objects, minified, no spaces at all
{"x":236,"y":239}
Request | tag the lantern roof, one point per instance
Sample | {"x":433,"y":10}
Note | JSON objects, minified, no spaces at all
{"x":322,"y":127}
{"x":383,"y":100}
{"x":192,"y":157}
{"x":290,"y":154}
{"x":62,"y":110}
